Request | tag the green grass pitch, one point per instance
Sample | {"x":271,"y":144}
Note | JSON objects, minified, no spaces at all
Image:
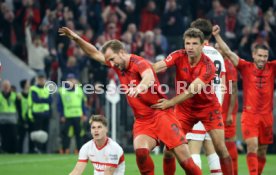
{"x":63,"y":164}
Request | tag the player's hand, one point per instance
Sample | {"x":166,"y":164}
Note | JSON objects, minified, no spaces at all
{"x":216,"y":30}
{"x":65,"y":31}
{"x":133,"y":92}
{"x":162,"y":104}
{"x":229,"y":120}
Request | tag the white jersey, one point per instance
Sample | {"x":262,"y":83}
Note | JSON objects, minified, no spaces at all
{"x":198,"y":131}
{"x":111,"y":154}
{"x":218,"y":61}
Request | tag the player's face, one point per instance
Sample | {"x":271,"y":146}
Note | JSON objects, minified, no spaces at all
{"x":260,"y":57}
{"x":193,"y":47}
{"x":115,"y":59}
{"x":98,"y":130}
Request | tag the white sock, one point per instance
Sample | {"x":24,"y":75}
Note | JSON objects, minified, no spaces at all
{"x":214,"y":164}
{"x":197,"y":160}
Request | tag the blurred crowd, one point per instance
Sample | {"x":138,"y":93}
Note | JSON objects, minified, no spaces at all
{"x":149,"y":28}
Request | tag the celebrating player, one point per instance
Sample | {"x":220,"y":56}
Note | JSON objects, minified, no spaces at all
{"x":150,"y":124}
{"x":105,"y":154}
{"x":230,"y":109}
{"x":258,"y":89}
{"x":195,"y":100}
{"x":198,"y":136}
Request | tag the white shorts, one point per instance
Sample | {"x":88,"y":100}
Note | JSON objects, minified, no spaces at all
{"x":198,"y":133}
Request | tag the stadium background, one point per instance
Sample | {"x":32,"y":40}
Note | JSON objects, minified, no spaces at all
{"x":148,"y":28}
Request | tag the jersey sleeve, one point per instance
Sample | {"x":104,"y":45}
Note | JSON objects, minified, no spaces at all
{"x":207,"y":72}
{"x":83,"y":154}
{"x":242,"y":63}
{"x":171,"y":58}
{"x":142,"y":65}
{"x":115,"y":156}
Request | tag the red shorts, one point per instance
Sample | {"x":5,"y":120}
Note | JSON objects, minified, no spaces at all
{"x":257,"y":125}
{"x":229,"y":131}
{"x":162,"y":126}
{"x":212,"y":120}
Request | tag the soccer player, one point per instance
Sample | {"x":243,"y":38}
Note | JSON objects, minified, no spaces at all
{"x":230,"y":109}
{"x":136,"y":76}
{"x":106,"y":155}
{"x":195,"y":100}
{"x":198,"y":136}
{"x":258,"y":89}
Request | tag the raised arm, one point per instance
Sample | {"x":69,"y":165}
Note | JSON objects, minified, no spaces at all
{"x":224,"y":47}
{"x":88,"y":48}
{"x":159,"y":66}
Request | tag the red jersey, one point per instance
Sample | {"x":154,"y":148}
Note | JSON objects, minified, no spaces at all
{"x":230,"y":76}
{"x":132,"y":77}
{"x":204,"y":101}
{"x":258,"y":86}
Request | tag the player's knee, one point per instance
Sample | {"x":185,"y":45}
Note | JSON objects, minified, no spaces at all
{"x":252,"y":148}
{"x":141,"y":155}
{"x":221,"y":149}
{"x":168,"y":154}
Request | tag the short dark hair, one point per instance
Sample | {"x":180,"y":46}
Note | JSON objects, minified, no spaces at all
{"x":260,"y":46}
{"x":205,"y":26}
{"x":194,"y":33}
{"x":98,"y":118}
{"x":115,"y":45}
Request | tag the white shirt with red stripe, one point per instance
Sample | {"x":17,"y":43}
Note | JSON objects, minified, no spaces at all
{"x":111,"y":154}
{"x":218,"y":61}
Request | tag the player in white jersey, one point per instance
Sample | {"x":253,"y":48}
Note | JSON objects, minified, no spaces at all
{"x":198,"y":136}
{"x":105,"y":154}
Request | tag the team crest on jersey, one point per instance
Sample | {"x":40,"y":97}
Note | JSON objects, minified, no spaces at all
{"x":113,"y":156}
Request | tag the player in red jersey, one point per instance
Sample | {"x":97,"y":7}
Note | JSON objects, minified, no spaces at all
{"x":230,"y":109}
{"x":258,"y":89}
{"x":150,"y":124}
{"x":196,"y":100}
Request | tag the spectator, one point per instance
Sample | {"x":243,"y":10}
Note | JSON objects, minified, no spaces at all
{"x":172,"y":25}
{"x":149,"y":17}
{"x":8,"y":118}
{"x":36,"y":53}
{"x":39,"y":103}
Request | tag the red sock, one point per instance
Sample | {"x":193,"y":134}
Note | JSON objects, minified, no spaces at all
{"x":232,"y":149}
{"x":252,"y":163}
{"x":261,"y":164}
{"x":226,"y":165}
{"x":144,"y":161}
{"x":190,"y":167}
{"x":169,"y":166}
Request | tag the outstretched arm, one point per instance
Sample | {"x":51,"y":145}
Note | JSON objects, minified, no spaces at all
{"x":159,"y":66}
{"x":88,"y":48}
{"x":146,"y":82}
{"x":224,"y":47}
{"x":194,"y":88}
{"x":79,"y":168}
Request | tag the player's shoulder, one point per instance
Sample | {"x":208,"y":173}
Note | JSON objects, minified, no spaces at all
{"x":176,"y":54}
{"x":113,"y":144}
{"x":180,"y":52}
{"x":212,"y":53}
